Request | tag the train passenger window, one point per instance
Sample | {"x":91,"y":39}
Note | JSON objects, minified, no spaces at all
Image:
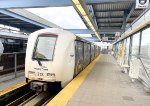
{"x":44,"y":49}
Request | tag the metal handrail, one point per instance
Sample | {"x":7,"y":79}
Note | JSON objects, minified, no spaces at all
{"x":12,"y":53}
{"x":15,"y":60}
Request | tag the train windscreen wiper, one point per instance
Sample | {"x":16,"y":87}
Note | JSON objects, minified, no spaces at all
{"x":38,"y":60}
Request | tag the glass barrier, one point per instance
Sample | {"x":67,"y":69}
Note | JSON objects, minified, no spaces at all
{"x":12,"y":62}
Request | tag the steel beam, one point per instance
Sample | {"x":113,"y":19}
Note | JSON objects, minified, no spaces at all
{"x":9,"y":13}
{"x":92,"y":39}
{"x":28,"y":17}
{"x":114,"y":17}
{"x":108,"y":10}
{"x":107,"y":1}
{"x":94,"y":18}
{"x":88,"y":31}
{"x":107,"y":33}
{"x":109,"y":27}
{"x":127,"y":15}
{"x":5,"y":4}
{"x":110,"y":30}
{"x":81,"y":31}
{"x":82,"y":9}
{"x":124,"y":20}
{"x":119,"y":22}
{"x":130,"y":13}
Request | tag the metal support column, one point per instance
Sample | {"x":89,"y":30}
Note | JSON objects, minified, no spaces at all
{"x":15,"y":65}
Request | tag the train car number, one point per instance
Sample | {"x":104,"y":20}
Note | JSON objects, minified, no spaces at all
{"x":40,"y":74}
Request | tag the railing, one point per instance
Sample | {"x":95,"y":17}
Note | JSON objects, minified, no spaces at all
{"x":145,"y":78}
{"x":11,"y":62}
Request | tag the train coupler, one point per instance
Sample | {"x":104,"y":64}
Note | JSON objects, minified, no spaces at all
{"x":39,"y":86}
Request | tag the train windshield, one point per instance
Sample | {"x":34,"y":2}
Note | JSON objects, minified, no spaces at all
{"x":44,"y":48}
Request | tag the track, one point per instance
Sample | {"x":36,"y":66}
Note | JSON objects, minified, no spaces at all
{"x":26,"y":97}
{"x":32,"y":99}
{"x":37,"y":100}
{"x":21,"y":99}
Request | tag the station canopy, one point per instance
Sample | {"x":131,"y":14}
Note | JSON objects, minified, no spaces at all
{"x":107,"y":16}
{"x":111,"y":16}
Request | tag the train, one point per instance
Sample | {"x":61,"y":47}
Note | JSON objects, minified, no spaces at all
{"x":11,"y":45}
{"x":55,"y":55}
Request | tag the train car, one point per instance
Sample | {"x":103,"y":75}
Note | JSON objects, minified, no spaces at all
{"x":12,"y":44}
{"x":55,"y":55}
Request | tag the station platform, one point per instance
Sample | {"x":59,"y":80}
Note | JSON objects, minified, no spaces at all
{"x":9,"y":80}
{"x":105,"y":85}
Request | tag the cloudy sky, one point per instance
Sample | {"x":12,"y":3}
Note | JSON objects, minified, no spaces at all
{"x":65,"y":17}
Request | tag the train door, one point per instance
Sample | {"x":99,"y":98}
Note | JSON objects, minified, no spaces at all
{"x":92,"y":52}
{"x":89,"y":53}
{"x":79,"y":57}
{"x":86,"y":54}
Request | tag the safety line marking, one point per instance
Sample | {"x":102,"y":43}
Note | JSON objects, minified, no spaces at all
{"x":12,"y":88}
{"x":63,"y":97}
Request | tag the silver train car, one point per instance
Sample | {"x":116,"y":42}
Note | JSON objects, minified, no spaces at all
{"x":56,"y":55}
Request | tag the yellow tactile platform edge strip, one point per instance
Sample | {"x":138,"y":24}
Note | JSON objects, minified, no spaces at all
{"x":62,"y":98}
{"x":12,"y":88}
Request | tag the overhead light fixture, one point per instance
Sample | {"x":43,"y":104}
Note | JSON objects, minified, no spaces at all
{"x":81,"y":9}
{"x":85,"y":16}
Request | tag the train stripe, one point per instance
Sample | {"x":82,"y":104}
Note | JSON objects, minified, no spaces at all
{"x":62,"y":98}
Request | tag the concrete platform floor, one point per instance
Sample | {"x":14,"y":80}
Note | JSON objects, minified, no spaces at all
{"x":106,"y":85}
{"x":9,"y":80}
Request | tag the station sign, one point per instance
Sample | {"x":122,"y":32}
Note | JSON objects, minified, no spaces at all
{"x":142,"y":4}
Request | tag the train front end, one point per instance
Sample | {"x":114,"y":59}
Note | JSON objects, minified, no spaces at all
{"x":46,"y":57}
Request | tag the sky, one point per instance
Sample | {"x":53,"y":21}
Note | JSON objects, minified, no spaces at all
{"x":65,"y":17}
